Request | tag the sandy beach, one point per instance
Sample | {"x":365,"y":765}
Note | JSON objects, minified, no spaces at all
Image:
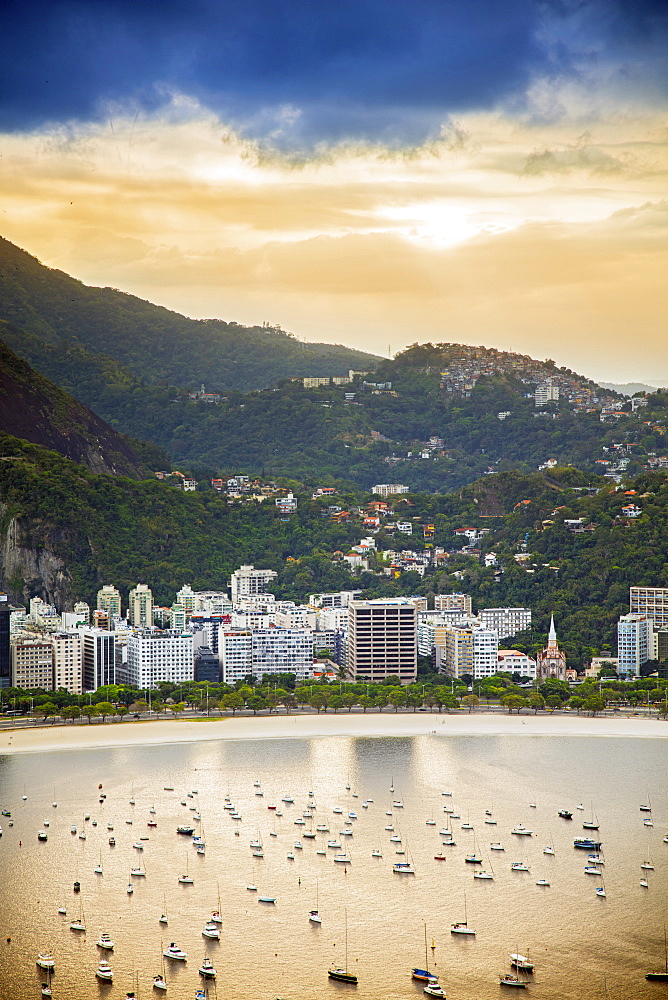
{"x":146,"y":733}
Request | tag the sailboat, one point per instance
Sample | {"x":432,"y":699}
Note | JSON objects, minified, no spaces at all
{"x":591,"y":824}
{"x":342,"y":975}
{"x":186,"y":879}
{"x":79,"y":923}
{"x":423,"y":975}
{"x":314,"y":916}
{"x":215,"y":914}
{"x":163,"y":915}
{"x":462,"y":927}
{"x":660,"y":977}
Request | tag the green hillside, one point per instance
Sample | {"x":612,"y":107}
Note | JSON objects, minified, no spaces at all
{"x":155,"y":344}
{"x":97,"y":529}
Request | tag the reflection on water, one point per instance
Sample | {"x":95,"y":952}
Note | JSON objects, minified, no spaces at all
{"x":582,"y":945}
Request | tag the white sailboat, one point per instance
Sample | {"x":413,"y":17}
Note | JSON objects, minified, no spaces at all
{"x":314,"y":915}
{"x":462,"y":927}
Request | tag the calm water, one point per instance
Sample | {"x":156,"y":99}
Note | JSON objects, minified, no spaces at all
{"x":583,"y":946}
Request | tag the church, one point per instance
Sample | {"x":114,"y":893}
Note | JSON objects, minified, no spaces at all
{"x":551,"y":661}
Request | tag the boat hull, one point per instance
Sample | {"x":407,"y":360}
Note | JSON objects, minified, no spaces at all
{"x":342,"y":977}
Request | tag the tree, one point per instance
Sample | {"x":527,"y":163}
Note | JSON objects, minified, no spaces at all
{"x":576,"y":703}
{"x":46,"y":710}
{"x":90,"y":711}
{"x":319,"y":700}
{"x":336,"y":702}
{"x":177,"y":708}
{"x":256,"y":703}
{"x":514,"y":702}
{"x":365,"y":702}
{"x":104,"y":708}
{"x":71,"y":712}
{"x":553,"y":701}
{"x":594,"y":704}
{"x":397,"y":698}
{"x":231,"y":702}
{"x":470,"y":701}
{"x":536,"y":701}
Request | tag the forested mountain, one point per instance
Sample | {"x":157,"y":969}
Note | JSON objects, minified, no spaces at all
{"x":34,"y":408}
{"x":156,"y":345}
{"x":65,"y":531}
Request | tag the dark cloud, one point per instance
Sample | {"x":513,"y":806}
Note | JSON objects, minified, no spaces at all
{"x":386,"y":69}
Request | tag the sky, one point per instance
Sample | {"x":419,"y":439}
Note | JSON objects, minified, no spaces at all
{"x":367,"y":172}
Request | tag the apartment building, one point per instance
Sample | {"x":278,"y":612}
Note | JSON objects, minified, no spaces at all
{"x":99,"y":658}
{"x":264,"y":652}
{"x":635,"y":643}
{"x":140,"y":606}
{"x":652,"y":602}
{"x":382,"y":640}
{"x":453,"y":602}
{"x":158,"y":656}
{"x":109,"y":600}
{"x":471,"y":649}
{"x":505,"y":621}
{"x":247,"y":581}
{"x":388,"y":489}
{"x":67,"y":662}
{"x":32,"y":663}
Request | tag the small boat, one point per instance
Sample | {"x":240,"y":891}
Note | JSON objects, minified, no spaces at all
{"x":290,"y":856}
{"x":521,"y":962}
{"x":648,"y":866}
{"x":129,"y":888}
{"x":251,"y":888}
{"x":483,"y":875}
{"x":77,"y":887}
{"x":440,"y":857}
{"x":645,"y":808}
{"x":42,"y":835}
{"x":104,"y":941}
{"x":600,"y":891}
{"x":507,"y":979}
{"x":104,"y":972}
{"x":542,"y":881}
{"x":206,"y":969}
{"x":592,"y":870}
{"x":46,"y":990}
{"x":462,"y":926}
{"x":138,"y":846}
{"x":112,"y":842}
{"x":175,"y":953}
{"x":266,"y":899}
{"x":186,"y":831}
{"x":473,"y":859}
{"x":315,"y":917}
{"x":521,"y":831}
{"x":342,"y":859}
{"x":519,"y":866}
{"x":62,"y":910}
{"x":423,"y":975}
{"x":186,"y":879}
{"x":585,"y":844}
{"x":565,"y":814}
{"x":648,"y":822}
{"x":45,"y":960}
{"x":159,"y":983}
{"x":78,"y":925}
{"x":403,"y":868}
{"x":496,"y":847}
{"x":580,"y":807}
{"x":644,"y":883}
{"x":434,"y":988}
{"x":211,"y":930}
{"x":467,"y":826}
{"x":548,"y":850}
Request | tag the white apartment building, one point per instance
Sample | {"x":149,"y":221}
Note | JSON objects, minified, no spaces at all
{"x":298,"y":616}
{"x":251,"y":620}
{"x":388,"y":489}
{"x":109,"y":600}
{"x":32,"y":663}
{"x":67,"y":662}
{"x":453,"y":602}
{"x":99,"y":658}
{"x":332,"y":619}
{"x":213,"y":602}
{"x":512,"y":661}
{"x":650,"y":601}
{"x":340,"y":599}
{"x":264,"y":652}
{"x":140,"y":606}
{"x":546,"y":393}
{"x":382,"y":640}
{"x":635,"y":643}
{"x":505,"y":621}
{"x":177,"y":618}
{"x":432,"y":627}
{"x":156,"y":657}
{"x":247,"y":581}
{"x":186,"y":598}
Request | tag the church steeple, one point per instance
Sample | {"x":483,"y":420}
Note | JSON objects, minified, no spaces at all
{"x":552,"y":636}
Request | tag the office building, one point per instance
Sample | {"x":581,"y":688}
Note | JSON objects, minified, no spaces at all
{"x":247,"y":581}
{"x":154,"y":657}
{"x":5,"y":658}
{"x":207,"y":665}
{"x":99,"y":658}
{"x":382,"y":640}
{"x":109,"y":600}
{"x":264,"y":652}
{"x":32,"y":664}
{"x":652,"y":602}
{"x":67,"y":662}
{"x":140,"y":606}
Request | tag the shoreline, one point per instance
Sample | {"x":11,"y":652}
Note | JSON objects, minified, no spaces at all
{"x":44,"y":739}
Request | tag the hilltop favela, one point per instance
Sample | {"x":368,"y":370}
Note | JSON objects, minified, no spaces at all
{"x":333,"y":501}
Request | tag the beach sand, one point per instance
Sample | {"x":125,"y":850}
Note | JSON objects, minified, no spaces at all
{"x":114,"y":734}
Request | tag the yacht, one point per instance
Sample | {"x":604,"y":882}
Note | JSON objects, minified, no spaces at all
{"x":403,"y":868}
{"x":45,"y":960}
{"x":104,"y":972}
{"x":519,"y":866}
{"x":542,"y":881}
{"x":521,"y":831}
{"x":175,"y":953}
{"x":42,"y":835}
{"x":509,"y":980}
{"x":496,"y":847}
{"x":211,"y":931}
{"x":434,"y":989}
{"x":159,"y":983}
{"x":104,"y":941}
{"x":521,"y":962}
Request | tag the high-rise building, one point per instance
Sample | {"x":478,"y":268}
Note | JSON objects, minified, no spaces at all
{"x":382,"y":640}
{"x":469,"y":649}
{"x":187,"y":598}
{"x":140,"y":606}
{"x":32,"y":664}
{"x":177,"y":617}
{"x":265,"y":651}
{"x":546,"y":393}
{"x":99,"y":658}
{"x":247,"y":581}
{"x":158,"y":656}
{"x":82,"y":610}
{"x":207,"y":665}
{"x":652,"y":602}
{"x":635,"y":643}
{"x":5,"y":658}
{"x":109,"y":600}
{"x":67,"y":662}
{"x":505,"y":621}
{"x":453,"y":602}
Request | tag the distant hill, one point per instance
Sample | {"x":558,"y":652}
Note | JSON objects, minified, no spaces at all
{"x":155,"y":344}
{"x":33,"y":408}
{"x":629,"y":388}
